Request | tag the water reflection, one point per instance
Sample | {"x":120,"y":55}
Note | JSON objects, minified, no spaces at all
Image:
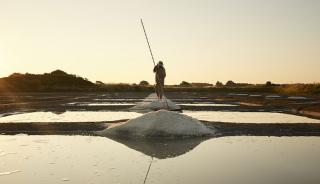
{"x":83,"y":159}
{"x":159,"y":147}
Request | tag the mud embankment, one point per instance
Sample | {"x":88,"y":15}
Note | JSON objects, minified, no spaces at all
{"x":221,"y":128}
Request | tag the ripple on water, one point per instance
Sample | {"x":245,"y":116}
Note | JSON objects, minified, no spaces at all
{"x":2,"y":153}
{"x":9,"y":172}
{"x":40,"y":141}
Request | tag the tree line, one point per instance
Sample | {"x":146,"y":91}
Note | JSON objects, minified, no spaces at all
{"x":60,"y":81}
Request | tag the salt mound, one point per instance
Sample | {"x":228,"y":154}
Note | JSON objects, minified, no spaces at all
{"x":151,"y":103}
{"x":160,"y":124}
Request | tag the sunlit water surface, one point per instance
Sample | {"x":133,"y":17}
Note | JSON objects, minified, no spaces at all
{"x":70,"y":116}
{"x":207,"y":105}
{"x":224,"y":160}
{"x":108,"y":104}
{"x":220,"y":116}
{"x":249,"y":117}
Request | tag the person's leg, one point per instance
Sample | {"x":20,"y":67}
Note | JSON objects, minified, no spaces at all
{"x":161,"y":90}
{"x":157,"y":91}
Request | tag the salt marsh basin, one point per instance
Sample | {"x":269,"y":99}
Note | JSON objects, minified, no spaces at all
{"x":44,"y":143}
{"x":250,"y":159}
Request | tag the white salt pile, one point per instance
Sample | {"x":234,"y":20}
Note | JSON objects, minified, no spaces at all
{"x":151,"y":103}
{"x":159,"y":124}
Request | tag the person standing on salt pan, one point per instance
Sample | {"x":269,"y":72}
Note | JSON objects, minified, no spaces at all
{"x":160,"y":75}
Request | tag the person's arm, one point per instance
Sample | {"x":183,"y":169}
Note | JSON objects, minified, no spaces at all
{"x":164,"y":72}
{"x":155,"y":68}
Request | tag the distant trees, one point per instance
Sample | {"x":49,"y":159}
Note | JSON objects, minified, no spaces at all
{"x":57,"y":80}
{"x":59,"y":72}
{"x":230,"y":83}
{"x":99,"y":83}
{"x":60,"y":81}
{"x":268,"y":83}
{"x":185,"y":84}
{"x":298,"y":89}
{"x":219,"y":84}
{"x":144,"y":83}
{"x":15,"y":75}
{"x":195,"y":84}
{"x":201,"y":84}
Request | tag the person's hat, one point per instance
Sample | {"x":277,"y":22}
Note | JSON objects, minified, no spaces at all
{"x":160,"y":62}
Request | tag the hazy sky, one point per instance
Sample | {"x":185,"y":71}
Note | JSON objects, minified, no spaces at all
{"x":198,"y":40}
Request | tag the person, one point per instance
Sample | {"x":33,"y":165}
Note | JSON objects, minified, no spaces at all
{"x":160,"y":75}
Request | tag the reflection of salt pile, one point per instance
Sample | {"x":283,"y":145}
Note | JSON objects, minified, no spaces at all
{"x":151,"y":103}
{"x":159,"y":124}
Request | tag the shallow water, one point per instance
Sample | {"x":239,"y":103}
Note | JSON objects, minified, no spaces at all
{"x":107,"y":104}
{"x":255,"y":95}
{"x":273,"y":96}
{"x":100,"y":104}
{"x":249,"y":117}
{"x":224,"y":160}
{"x":71,"y":159}
{"x":118,"y":99}
{"x":238,"y":94}
{"x":69,"y":116}
{"x":244,"y":160}
{"x":95,"y":116}
{"x":110,"y":104}
{"x":207,"y":105}
{"x":297,"y":97}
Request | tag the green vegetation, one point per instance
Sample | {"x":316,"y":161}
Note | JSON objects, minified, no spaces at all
{"x":144,"y":83}
{"x":219,"y":84}
{"x":299,"y":88}
{"x":230,"y":83}
{"x":60,"y":81}
{"x":55,"y":81}
{"x":185,"y":84}
{"x":195,"y":84}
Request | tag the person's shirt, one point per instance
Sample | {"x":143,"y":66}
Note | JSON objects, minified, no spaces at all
{"x":160,"y":71}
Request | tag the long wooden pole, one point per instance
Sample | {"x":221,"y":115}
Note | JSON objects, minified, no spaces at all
{"x":145,"y":33}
